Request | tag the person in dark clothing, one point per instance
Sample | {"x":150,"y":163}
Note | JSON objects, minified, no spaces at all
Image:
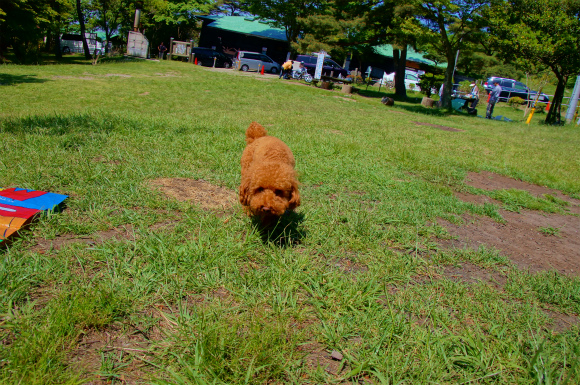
{"x":493,"y":98}
{"x":162,"y":49}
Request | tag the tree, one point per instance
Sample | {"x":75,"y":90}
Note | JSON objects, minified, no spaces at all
{"x":286,"y":14}
{"x":175,"y":18}
{"x":336,"y":26}
{"x":81,"y":18}
{"x":230,"y":7}
{"x":545,"y":32}
{"x":447,"y":27}
{"x":107,"y":15}
{"x":63,"y":12}
{"x":394,"y":22}
{"x":23,"y":24}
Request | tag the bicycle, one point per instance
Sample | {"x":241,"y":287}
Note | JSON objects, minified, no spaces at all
{"x":302,"y":75}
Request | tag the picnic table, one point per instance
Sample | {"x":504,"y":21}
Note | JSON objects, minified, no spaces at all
{"x":460,"y":102}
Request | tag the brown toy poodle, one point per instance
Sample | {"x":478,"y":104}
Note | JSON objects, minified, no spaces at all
{"x":269,"y":186}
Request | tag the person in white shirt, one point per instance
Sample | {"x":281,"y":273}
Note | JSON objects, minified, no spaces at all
{"x":475,"y":95}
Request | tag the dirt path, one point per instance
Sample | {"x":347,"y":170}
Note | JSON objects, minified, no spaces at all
{"x":531,"y":239}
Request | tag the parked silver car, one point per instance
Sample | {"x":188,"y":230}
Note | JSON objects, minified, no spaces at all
{"x":247,"y":61}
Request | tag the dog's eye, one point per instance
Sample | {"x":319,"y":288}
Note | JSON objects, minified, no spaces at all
{"x":259,"y":189}
{"x":279,"y":193}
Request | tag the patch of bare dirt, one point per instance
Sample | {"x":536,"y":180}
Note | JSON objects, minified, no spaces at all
{"x":337,"y":132}
{"x":41,"y":296}
{"x":477,"y":199}
{"x":348,"y":266}
{"x":170,"y":74}
{"x":532,"y":240}
{"x":202,"y":193}
{"x":345,"y":99}
{"x":112,"y":351}
{"x":470,"y":273}
{"x":317,"y":356}
{"x":119,"y":75}
{"x":74,"y":77}
{"x":61,"y":241}
{"x":561,"y":322}
{"x":490,"y":181}
{"x":165,"y":225}
{"x":221,"y":294}
{"x":444,"y":128}
{"x":522,"y":241}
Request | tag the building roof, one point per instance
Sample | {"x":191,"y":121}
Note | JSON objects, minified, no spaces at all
{"x":412,"y":55}
{"x":247,"y":25}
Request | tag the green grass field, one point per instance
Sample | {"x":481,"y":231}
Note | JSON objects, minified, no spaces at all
{"x":187,"y":295}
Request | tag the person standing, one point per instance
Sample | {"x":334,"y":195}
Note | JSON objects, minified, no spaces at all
{"x":474,"y":94}
{"x":493,"y":98}
{"x":162,"y":49}
{"x":440,"y":101}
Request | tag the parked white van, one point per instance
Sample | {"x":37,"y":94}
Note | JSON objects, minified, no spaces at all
{"x":412,"y":79}
{"x":70,"y":43}
{"x":246,"y":61}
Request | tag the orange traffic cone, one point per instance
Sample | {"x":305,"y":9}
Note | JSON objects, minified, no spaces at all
{"x":262,"y":71}
{"x":195,"y":61}
{"x":548,"y":106}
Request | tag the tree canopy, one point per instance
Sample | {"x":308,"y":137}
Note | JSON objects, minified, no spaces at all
{"x":539,"y":33}
{"x":448,"y":26}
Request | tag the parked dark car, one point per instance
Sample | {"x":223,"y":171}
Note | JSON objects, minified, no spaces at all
{"x":511,"y":88}
{"x":205,"y":56}
{"x":329,"y":67}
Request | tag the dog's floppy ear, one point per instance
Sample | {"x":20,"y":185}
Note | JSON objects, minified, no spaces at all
{"x":245,"y":193}
{"x":294,"y":197}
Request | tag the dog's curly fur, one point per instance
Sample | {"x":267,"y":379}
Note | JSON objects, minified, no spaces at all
{"x":269,"y":186}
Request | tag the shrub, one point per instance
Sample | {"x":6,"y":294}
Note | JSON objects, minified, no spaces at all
{"x":540,"y":108}
{"x":465,"y":87}
{"x":430,"y":82}
{"x":355,"y":79}
{"x":515,"y":102}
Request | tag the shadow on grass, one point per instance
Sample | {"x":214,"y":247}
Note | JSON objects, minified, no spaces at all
{"x":287,"y":231}
{"x":75,"y":58}
{"x":10,"y":80}
{"x":60,"y":124}
{"x":79,"y":59}
{"x":410,"y":104}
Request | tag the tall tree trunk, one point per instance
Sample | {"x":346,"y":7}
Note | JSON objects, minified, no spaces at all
{"x":554,"y":116}
{"x":82,"y":24}
{"x":57,"y":21}
{"x":400,"y":68}
{"x":106,"y":25}
{"x":446,"y":101}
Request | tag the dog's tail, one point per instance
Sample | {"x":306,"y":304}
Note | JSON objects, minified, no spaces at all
{"x":255,"y":131}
